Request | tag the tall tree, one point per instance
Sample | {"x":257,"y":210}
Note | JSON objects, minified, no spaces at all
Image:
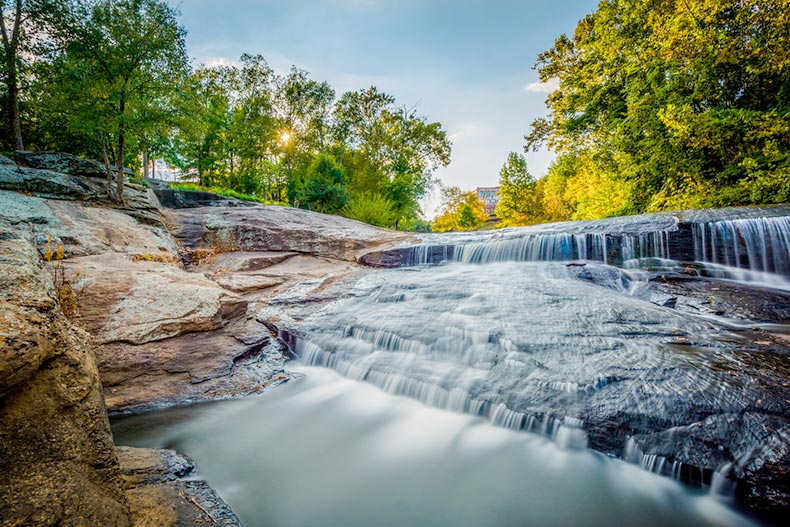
{"x":388,"y":150}
{"x":123,"y":63}
{"x":11,"y":28}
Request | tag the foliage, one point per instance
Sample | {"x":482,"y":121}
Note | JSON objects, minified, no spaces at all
{"x":123,"y":61}
{"x":323,"y":188}
{"x":110,"y":79}
{"x":667,"y":104}
{"x":461,"y":211}
{"x":519,"y":197}
{"x":371,"y":208}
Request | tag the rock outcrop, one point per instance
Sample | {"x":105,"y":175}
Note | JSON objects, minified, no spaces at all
{"x":57,"y":461}
{"x":159,"y":495}
{"x":162,"y":334}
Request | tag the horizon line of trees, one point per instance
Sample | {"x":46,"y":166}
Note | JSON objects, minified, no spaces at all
{"x":111,"y":80}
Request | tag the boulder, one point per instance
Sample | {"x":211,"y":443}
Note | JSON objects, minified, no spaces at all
{"x":61,"y":162}
{"x":6,"y":161}
{"x":45,"y":183}
{"x":57,"y":461}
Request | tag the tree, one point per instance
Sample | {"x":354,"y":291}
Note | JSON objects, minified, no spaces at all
{"x":121,"y":67}
{"x":520,"y":200}
{"x":388,"y":150}
{"x":324,"y":185}
{"x":461,"y":211}
{"x":674,"y":103}
{"x":371,"y":208}
{"x":13,"y":37}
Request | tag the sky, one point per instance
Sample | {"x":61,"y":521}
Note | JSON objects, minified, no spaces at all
{"x":465,"y":63}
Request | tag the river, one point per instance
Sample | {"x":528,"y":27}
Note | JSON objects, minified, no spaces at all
{"x":485,"y":391}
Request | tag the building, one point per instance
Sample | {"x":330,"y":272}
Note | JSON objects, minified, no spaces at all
{"x":490,"y":197}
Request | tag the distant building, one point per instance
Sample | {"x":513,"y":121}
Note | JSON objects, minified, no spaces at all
{"x":490,"y":197}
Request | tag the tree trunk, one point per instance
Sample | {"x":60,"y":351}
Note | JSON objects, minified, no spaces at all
{"x":13,"y":103}
{"x":145,"y":163}
{"x":153,"y":168}
{"x":10,"y":41}
{"x":119,"y":156}
{"x":106,"y":165}
{"x":119,"y":163}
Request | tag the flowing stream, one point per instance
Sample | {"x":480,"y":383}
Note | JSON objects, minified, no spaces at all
{"x":468,"y":393}
{"x":328,"y":451}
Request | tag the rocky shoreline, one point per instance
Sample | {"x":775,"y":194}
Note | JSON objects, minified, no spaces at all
{"x":163,"y":308}
{"x":108,"y":308}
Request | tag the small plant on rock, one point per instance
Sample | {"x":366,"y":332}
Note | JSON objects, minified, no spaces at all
{"x":68,"y":297}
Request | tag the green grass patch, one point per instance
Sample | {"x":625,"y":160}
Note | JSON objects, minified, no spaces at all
{"x":225,"y":192}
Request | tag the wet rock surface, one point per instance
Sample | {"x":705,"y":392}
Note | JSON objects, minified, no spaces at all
{"x":590,"y":355}
{"x":159,"y":495}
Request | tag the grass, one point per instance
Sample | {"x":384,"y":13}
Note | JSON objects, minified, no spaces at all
{"x":225,"y":192}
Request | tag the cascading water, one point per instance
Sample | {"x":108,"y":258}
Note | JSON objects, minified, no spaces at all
{"x":503,"y":334}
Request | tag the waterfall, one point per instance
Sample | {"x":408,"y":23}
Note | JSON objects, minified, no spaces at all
{"x":743,"y":249}
{"x":756,"y":244}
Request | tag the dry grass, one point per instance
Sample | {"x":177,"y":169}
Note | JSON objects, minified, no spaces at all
{"x":68,"y":297}
{"x":158,"y":257}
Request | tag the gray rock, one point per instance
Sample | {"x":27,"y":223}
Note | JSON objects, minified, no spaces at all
{"x":272,"y":228}
{"x":6,"y":161}
{"x":61,"y":162}
{"x":45,"y":183}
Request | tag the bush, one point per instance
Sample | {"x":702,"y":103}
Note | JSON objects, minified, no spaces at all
{"x":372,"y":208}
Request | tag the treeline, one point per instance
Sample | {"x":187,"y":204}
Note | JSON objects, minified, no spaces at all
{"x":661,"y":105}
{"x":111,"y":79}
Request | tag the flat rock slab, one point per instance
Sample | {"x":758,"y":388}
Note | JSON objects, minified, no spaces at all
{"x":244,"y":283}
{"x":268,"y":228}
{"x":81,"y":230}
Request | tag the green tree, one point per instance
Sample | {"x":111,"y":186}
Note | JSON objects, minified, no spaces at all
{"x":371,"y":208}
{"x":677,"y":103}
{"x":324,"y":186}
{"x":121,"y":67}
{"x":388,"y":150}
{"x":520,"y":200}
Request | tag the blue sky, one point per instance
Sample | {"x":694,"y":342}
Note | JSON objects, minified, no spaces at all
{"x":464,"y":63}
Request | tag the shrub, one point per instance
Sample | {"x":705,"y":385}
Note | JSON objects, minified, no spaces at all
{"x":370,"y":207}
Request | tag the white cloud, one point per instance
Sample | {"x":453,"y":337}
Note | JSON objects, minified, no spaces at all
{"x":213,"y":62}
{"x":543,"y":87}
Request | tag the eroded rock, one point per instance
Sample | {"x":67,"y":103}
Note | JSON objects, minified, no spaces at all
{"x":266,"y":228}
{"x":57,"y":462}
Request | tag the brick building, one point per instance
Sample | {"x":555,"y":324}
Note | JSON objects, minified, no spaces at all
{"x":490,"y":197}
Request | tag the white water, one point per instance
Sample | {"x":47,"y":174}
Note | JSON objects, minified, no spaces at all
{"x":328,"y":451}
